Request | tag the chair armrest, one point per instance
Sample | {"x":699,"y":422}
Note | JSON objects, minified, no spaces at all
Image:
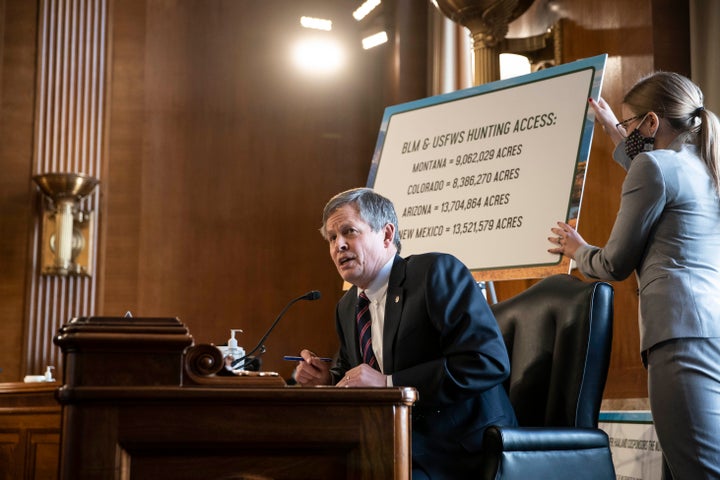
{"x":543,"y":438}
{"x":519,"y":453}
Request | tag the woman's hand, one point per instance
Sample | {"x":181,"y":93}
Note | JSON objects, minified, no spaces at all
{"x":606,"y":118}
{"x":567,"y":240}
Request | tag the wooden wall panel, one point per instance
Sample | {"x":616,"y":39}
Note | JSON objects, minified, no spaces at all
{"x":29,"y":431}
{"x":220,"y":158}
{"x":18,"y":33}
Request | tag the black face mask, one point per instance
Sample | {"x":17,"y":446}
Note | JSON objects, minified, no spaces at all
{"x":636,"y":142}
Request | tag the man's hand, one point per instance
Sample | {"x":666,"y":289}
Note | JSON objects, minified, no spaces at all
{"x":363,"y":376}
{"x":311,"y":370}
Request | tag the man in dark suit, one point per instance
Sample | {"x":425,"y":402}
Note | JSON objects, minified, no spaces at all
{"x":430,"y":328}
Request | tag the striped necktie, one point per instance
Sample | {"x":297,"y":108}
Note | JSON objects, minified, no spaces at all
{"x":364,"y":322}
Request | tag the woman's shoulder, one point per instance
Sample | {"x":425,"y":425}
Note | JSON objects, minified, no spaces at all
{"x":667,"y":158}
{"x":677,"y":151}
{"x":684,"y":161}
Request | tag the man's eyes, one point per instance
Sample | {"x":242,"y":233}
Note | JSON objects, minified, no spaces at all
{"x":346,"y":233}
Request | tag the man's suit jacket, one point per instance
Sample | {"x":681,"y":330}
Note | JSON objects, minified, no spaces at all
{"x":668,"y":231}
{"x":440,"y":337}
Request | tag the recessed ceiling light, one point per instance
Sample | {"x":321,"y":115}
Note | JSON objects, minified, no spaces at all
{"x":316,"y":23}
{"x":367,"y":7}
{"x":374,"y":40}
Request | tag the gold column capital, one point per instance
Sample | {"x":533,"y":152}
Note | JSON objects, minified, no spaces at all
{"x":488,"y":22}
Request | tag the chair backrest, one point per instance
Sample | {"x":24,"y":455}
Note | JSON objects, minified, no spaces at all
{"x":558,"y":334}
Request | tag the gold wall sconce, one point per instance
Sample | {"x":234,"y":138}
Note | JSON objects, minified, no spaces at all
{"x":66,"y":231}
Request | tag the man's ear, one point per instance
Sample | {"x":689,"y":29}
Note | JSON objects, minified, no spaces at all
{"x":389,"y":231}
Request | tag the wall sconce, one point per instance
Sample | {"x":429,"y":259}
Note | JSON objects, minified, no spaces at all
{"x":66,"y":240}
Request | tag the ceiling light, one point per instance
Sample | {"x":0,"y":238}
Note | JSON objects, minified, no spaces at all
{"x":367,"y":7}
{"x":374,"y":40}
{"x":316,"y":23}
{"x":318,"y":55}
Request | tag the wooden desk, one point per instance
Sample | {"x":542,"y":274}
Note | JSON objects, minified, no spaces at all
{"x":137,"y":425}
{"x":197,"y":433}
{"x":29,"y":431}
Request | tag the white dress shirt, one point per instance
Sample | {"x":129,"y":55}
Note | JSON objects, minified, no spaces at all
{"x":377,"y":294}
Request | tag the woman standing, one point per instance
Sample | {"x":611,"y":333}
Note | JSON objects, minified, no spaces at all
{"x":668,"y":232}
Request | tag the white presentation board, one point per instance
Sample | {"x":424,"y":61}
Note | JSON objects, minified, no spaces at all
{"x":635,"y":449}
{"x":483,"y":173}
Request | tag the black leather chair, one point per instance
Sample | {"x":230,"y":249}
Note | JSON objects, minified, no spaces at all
{"x":558,"y":333}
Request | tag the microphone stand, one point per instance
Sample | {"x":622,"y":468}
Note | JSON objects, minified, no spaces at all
{"x":312,"y":295}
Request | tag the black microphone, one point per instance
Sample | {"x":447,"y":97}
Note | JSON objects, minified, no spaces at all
{"x":312,"y":295}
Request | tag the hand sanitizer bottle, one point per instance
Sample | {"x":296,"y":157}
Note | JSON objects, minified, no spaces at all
{"x":234,"y":352}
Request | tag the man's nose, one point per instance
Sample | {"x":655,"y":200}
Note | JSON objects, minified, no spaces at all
{"x":340,"y":244}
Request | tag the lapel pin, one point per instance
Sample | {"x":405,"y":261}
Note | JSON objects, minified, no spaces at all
{"x":397,"y":299}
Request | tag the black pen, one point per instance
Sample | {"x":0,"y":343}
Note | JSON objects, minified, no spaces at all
{"x":300,"y":359}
